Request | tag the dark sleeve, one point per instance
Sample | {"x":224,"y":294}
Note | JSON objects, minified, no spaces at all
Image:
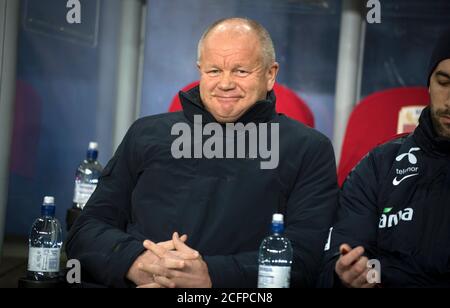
{"x":309,"y":213}
{"x":357,"y":218}
{"x":98,"y":239}
{"x":234,"y":271}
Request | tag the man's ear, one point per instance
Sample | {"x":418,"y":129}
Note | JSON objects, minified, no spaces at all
{"x":272,"y":75}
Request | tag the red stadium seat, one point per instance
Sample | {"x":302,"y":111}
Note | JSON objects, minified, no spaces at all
{"x":377,"y":119}
{"x":288,"y":103}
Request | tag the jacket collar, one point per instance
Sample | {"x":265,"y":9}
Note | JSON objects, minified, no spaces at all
{"x":261,"y":112}
{"x":427,"y":138}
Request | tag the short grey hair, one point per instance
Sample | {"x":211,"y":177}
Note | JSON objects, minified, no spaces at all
{"x":266,"y":43}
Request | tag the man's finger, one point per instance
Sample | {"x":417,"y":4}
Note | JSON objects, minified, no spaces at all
{"x":153,"y":269}
{"x":171,"y":263}
{"x":365,"y":283}
{"x":165,"y":282}
{"x":182,"y":255}
{"x":360,"y":281}
{"x":157,"y":250}
{"x":360,"y":266}
{"x":169,"y":244}
{"x":357,"y":269}
{"x":344,"y":249}
{"x":351,"y":257}
{"x":182,"y":247}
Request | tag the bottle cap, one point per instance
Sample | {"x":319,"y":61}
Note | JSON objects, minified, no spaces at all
{"x":49,"y":200}
{"x":93,"y":145}
{"x":277,"y":217}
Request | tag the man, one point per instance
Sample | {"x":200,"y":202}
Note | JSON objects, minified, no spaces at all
{"x":395,"y":205}
{"x":127,"y":233}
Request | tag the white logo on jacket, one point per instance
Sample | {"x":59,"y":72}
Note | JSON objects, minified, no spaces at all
{"x":328,"y":243}
{"x":388,"y":221}
{"x":411,"y":157}
{"x":408,"y":172}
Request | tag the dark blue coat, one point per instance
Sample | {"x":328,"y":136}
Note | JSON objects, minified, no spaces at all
{"x":224,"y":205}
{"x":396,"y":204}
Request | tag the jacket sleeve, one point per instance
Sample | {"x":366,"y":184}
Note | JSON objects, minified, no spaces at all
{"x":357,"y":218}
{"x":98,"y":239}
{"x":310,"y":208}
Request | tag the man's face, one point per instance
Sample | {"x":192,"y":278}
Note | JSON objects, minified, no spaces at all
{"x":233,"y":75}
{"x":440,"y":98}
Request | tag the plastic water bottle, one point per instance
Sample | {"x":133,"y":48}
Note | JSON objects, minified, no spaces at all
{"x":86,"y":177}
{"x":275,"y":257}
{"x":45,"y":243}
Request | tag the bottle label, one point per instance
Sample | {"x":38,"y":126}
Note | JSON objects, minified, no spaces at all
{"x":83,"y":192}
{"x":274,"y":276}
{"x":43,"y":259}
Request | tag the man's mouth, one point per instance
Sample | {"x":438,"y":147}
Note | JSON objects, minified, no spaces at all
{"x":227,"y":99}
{"x":445,"y":119}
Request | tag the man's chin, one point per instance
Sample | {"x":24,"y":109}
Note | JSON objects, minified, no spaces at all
{"x":444,"y":130}
{"x":226,"y":116}
{"x":446,"y":133}
{"x":223,"y":120}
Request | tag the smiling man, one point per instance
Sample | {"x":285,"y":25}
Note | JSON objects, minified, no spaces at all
{"x":125,"y":234}
{"x":395,"y":205}
{"x":237,"y":68}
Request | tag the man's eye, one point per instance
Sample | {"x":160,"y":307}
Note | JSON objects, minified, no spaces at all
{"x":242,"y":72}
{"x":213,"y":72}
{"x":444,"y":83}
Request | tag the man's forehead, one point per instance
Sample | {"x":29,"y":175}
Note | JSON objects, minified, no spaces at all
{"x":230,"y":46}
{"x":229,"y":50}
{"x":231,"y":38}
{"x":233,"y":56}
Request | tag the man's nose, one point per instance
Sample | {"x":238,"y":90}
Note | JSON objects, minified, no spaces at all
{"x":226,"y":82}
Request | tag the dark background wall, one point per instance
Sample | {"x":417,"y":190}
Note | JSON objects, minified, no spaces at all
{"x":398,"y":49}
{"x":65,"y":95}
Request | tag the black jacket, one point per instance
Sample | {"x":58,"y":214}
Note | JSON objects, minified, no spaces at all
{"x":396,"y":204}
{"x":224,"y":205}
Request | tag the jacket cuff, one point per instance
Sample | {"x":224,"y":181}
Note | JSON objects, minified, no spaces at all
{"x":329,"y":278}
{"x":221,"y":271}
{"x":120,"y":262}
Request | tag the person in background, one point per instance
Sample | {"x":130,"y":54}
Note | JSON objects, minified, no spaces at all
{"x":395,"y":205}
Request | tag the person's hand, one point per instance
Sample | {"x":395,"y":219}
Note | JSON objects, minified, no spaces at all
{"x":139,"y":277}
{"x":351,"y":267}
{"x":177,"y":268}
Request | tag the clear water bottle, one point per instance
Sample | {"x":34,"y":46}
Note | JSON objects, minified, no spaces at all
{"x":275,"y":257}
{"x":45,"y":243}
{"x":86,"y":177}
